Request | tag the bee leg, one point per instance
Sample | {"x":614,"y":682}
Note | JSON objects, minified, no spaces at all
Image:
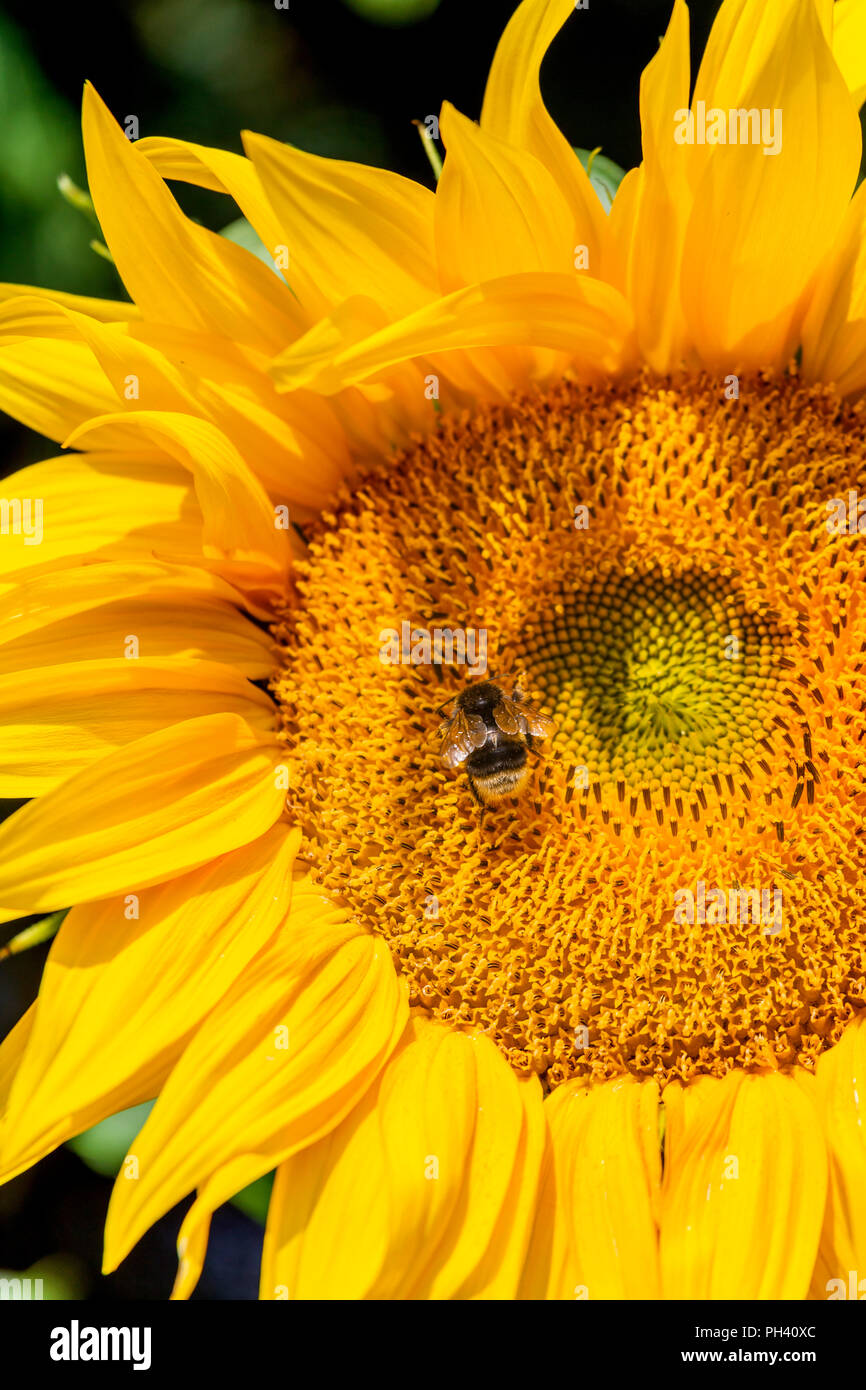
{"x":482,"y":812}
{"x":476,"y":798}
{"x":517,"y":691}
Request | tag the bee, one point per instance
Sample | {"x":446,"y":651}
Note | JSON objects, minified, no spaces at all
{"x":490,"y":733}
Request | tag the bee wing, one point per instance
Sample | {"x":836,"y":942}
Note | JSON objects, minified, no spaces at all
{"x":522,"y":719}
{"x":462,"y":734}
{"x":453,"y":755}
{"x":478,"y":731}
{"x":537,"y":724}
{"x":508,"y":717}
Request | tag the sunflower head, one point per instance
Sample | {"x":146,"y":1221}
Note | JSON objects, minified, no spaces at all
{"x":649,"y":904}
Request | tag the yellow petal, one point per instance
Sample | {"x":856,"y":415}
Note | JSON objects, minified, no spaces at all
{"x":425,"y":1112}
{"x":53,"y":387}
{"x":849,"y":45}
{"x":240,"y":525}
{"x":487,"y":210}
{"x":834,"y":329}
{"x":126,"y":364}
{"x":57,"y":720}
{"x":582,"y":317}
{"x":103,"y":506}
{"x":376,"y":413}
{"x":190,"y":276}
{"x":551,"y":1271}
{"x":840,"y":1084}
{"x":825,"y":10}
{"x":386,"y":414}
{"x":12,"y":1049}
{"x":127,"y":982}
{"x":297,"y":447}
{"x":656,"y":225}
{"x":191,"y":1252}
{"x":763,"y":223}
{"x":741,"y":39}
{"x":347,"y":226}
{"x":105,"y":310}
{"x":92,"y":611}
{"x":156,"y":808}
{"x":487,"y":1253}
{"x":284,"y":1056}
{"x":426,"y":1190}
{"x":224,"y":172}
{"x":744,"y":1188}
{"x":323,"y":1240}
{"x":596,"y":1235}
{"x":613,"y":1192}
{"x":514,"y":111}
{"x":623,"y":212}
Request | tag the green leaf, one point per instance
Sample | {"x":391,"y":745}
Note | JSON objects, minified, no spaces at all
{"x":604,"y":175}
{"x":34,"y":935}
{"x":104,"y":1147}
{"x":78,"y":198}
{"x":253,"y":1200}
{"x":101,"y":250}
{"x":243,"y":234}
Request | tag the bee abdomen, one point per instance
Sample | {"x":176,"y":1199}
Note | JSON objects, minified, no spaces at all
{"x":498,"y":770}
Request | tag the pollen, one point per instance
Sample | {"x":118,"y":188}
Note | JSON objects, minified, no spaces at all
{"x":678,"y":579}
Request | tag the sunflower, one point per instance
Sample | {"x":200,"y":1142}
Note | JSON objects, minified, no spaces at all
{"x":609,"y":1039}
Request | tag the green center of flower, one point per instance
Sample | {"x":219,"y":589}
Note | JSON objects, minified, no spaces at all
{"x":657,"y":679}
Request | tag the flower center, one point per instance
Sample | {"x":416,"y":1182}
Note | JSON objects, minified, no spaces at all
{"x":675,"y":889}
{"x":659,"y":680}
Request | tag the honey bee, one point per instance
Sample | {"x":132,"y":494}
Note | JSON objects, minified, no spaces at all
{"x":490,"y":733}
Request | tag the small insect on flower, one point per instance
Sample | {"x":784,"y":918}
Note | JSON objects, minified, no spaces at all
{"x":490,"y":733}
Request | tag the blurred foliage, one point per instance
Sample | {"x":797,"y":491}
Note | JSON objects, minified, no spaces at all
{"x":41,"y":139}
{"x":393,"y":11}
{"x":63,"y":1277}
